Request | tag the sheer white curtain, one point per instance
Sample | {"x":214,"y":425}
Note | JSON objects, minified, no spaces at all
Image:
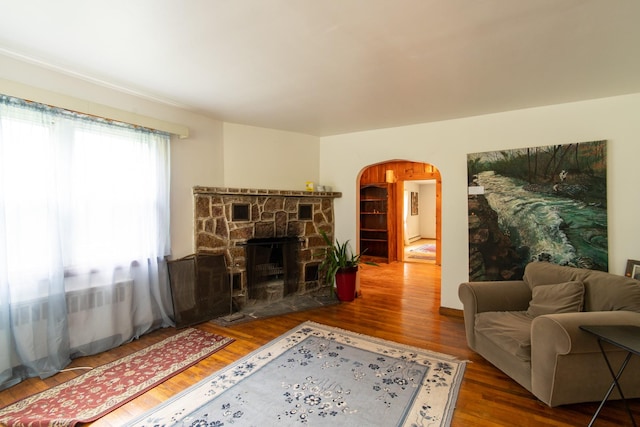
{"x":84,"y":231}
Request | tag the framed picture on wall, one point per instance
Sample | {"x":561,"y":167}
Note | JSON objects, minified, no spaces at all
{"x":537,"y":203}
{"x":414,"y":203}
{"x":633,"y":269}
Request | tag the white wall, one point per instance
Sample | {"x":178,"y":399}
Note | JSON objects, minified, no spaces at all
{"x":269,"y":159}
{"x":427,"y":210}
{"x":412,"y":222}
{"x":446,"y":144}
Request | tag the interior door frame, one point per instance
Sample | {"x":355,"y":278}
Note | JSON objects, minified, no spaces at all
{"x":400,"y":225}
{"x":403,"y":170}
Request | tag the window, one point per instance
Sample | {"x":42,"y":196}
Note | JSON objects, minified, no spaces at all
{"x":93,"y":193}
{"x":84,"y":211}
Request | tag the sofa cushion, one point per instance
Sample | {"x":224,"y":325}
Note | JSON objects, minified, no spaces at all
{"x":567,"y":297}
{"x":546,"y":273}
{"x":608,"y":292}
{"x":509,"y":330}
{"x":602,"y":291}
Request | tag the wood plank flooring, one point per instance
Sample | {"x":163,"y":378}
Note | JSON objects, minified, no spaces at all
{"x":399,"y":302}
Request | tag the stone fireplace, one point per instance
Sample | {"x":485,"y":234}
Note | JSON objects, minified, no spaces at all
{"x":270,"y":238}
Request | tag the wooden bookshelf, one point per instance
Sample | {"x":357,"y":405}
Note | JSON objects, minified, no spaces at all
{"x":375,"y":222}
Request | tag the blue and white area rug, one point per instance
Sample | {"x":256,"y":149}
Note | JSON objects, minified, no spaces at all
{"x":316,"y":375}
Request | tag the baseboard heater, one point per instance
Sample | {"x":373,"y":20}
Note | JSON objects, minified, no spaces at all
{"x":93,"y":314}
{"x":96,"y":314}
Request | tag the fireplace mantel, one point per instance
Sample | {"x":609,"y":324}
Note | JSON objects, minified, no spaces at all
{"x":228,"y":191}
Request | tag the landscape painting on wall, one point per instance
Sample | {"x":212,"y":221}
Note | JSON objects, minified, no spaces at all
{"x":546,"y":203}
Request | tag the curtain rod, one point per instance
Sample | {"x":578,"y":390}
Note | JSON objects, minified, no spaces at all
{"x":54,"y":99}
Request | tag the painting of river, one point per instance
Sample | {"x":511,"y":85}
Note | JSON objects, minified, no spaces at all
{"x":546,"y":203}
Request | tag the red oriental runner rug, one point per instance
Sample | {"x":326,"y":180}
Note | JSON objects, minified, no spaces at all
{"x":101,"y":390}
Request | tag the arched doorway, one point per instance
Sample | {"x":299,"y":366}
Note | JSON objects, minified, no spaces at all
{"x":380,"y":210}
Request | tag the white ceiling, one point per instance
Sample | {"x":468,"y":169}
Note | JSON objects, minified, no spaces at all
{"x":325,"y":67}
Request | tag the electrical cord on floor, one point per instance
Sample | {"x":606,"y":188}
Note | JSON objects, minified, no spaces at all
{"x":78,"y":368}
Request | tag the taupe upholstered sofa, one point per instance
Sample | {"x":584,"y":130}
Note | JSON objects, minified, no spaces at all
{"x":529,"y":329}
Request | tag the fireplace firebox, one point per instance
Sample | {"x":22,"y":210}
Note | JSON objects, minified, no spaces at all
{"x":272,"y":267}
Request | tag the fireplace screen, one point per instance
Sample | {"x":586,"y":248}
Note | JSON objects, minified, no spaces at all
{"x":200,"y":288}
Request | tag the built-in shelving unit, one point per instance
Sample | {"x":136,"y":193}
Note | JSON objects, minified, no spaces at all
{"x":374,"y":221}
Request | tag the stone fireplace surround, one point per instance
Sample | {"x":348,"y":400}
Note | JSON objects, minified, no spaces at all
{"x":227,"y":218}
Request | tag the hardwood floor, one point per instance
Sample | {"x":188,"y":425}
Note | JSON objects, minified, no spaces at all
{"x":399,"y":302}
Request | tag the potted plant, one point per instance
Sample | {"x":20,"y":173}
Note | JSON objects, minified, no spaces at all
{"x":341,"y":265}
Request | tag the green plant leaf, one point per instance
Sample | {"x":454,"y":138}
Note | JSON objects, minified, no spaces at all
{"x":338,"y":255}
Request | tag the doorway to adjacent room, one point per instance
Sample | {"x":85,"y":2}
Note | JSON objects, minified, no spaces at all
{"x":399,"y":212}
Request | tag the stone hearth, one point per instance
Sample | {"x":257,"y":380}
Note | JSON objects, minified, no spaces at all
{"x":226,"y":219}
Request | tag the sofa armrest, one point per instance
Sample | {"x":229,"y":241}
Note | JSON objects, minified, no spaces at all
{"x":511,"y":295}
{"x":558,"y":336}
{"x":561,"y":334}
{"x":479,"y":297}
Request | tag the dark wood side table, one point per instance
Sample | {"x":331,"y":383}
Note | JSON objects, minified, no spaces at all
{"x":626,"y":337}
